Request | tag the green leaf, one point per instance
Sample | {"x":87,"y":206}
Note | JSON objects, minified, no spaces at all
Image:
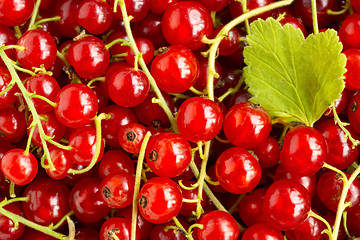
{"x":293,"y":78}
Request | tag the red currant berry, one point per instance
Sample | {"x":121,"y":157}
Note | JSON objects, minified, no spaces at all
{"x":199,"y":119}
{"x":48,"y":201}
{"x":120,"y":116}
{"x":18,"y":166}
{"x":8,"y":230}
{"x":180,"y":28}
{"x":246,"y":125}
{"x":161,"y":232}
{"x":286,"y":204}
{"x":329,"y":190}
{"x":237,"y":170}
{"x":262,"y":231}
{"x":128,"y":87}
{"x":160,"y":200}
{"x":168,"y":154}
{"x":43,"y":85}
{"x":115,"y":161}
{"x":304,"y":150}
{"x":89,"y":57}
{"x":349,"y":31}
{"x":8,"y":98}
{"x":341,"y":152}
{"x":95,"y":16}
{"x":115,"y":226}
{"x":40,"y":49}
{"x":83,"y":143}
{"x":268,"y":152}
{"x":311,"y":229}
{"x":175,"y":70}
{"x":12,"y":124}
{"x":237,"y":10}
{"x":250,"y":209}
{"x":118,"y":189}
{"x":62,"y":162}
{"x":86,"y":201}
{"x":146,"y":48}
{"x":138,"y":9}
{"x":218,"y":225}
{"x":131,"y":137}
{"x":15,"y":12}
{"x":76,"y":105}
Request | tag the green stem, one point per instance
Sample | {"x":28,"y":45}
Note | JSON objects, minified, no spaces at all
{"x":18,"y":32}
{"x":8,"y":88}
{"x":29,"y":102}
{"x":342,"y":206}
{"x":201,"y":179}
{"x":231,"y":91}
{"x":314,"y":17}
{"x":62,"y":220}
{"x":52,"y":19}
{"x":109,"y":45}
{"x":31,"y":73}
{"x":98,"y":79}
{"x":97,"y":121}
{"x":318,"y":217}
{"x":345,"y":224}
{"x":31,"y":133}
{"x":12,"y":189}
{"x":59,"y":145}
{"x":139,"y":168}
{"x":335,"y":170}
{"x":34,"y":15}
{"x":224,"y":32}
{"x":181,"y":227}
{"x":19,"y":219}
{"x":245,"y":10}
{"x":142,"y":63}
{"x":34,"y":95}
{"x":197,"y":92}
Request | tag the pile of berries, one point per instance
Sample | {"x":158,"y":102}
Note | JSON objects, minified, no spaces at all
{"x":131,"y":120}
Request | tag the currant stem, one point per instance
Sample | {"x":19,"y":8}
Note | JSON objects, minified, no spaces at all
{"x":197,"y":92}
{"x":31,"y":73}
{"x":201,"y":179}
{"x":335,"y":170}
{"x":139,"y":169}
{"x":19,"y":219}
{"x":142,"y":63}
{"x":318,"y":217}
{"x":28,"y":144}
{"x":71,"y":225}
{"x":314,"y":17}
{"x":109,"y":45}
{"x":224,"y":32}
{"x":97,"y":121}
{"x":29,"y":102}
{"x":34,"y":95}
{"x":12,"y":189}
{"x":232,"y":91}
{"x":181,"y":227}
{"x":52,"y":19}
{"x":62,"y":220}
{"x":344,"y":216}
{"x":34,"y":15}
{"x":245,"y":10}
{"x":342,"y":205}
{"x":8,"y":88}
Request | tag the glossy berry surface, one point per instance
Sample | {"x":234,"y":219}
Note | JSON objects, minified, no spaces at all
{"x":311,"y":229}
{"x":251,"y":207}
{"x":128,"y":87}
{"x":286,"y":204}
{"x":94,"y":16}
{"x":199,"y":119}
{"x":83,"y":143}
{"x":160,"y":200}
{"x":349,"y":31}
{"x":115,"y":161}
{"x":262,"y":231}
{"x":175,"y":70}
{"x":131,"y":137}
{"x":218,"y":225}
{"x":118,"y":190}
{"x":12,"y":124}
{"x":341,"y":152}
{"x":268,"y":152}
{"x":8,"y":98}
{"x":168,"y":154}
{"x":352,"y":66}
{"x":246,"y":125}
{"x":40,"y":49}
{"x":115,"y":226}
{"x":179,"y":27}
{"x":89,"y":57}
{"x":43,"y":85}
{"x":62,"y":162}
{"x":76,"y":105}
{"x":86,"y":201}
{"x":48,"y":201}
{"x":20,"y":167}
{"x":303,"y":146}
{"x":15,"y":12}
{"x":329,"y":190}
{"x":237,"y":170}
{"x":8,"y":231}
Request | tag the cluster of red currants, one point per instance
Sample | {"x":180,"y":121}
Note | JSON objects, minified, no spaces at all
{"x":89,"y":89}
